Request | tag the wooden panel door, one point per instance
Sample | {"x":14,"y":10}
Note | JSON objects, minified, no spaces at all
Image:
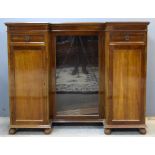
{"x":29,"y":97}
{"x":126,"y":84}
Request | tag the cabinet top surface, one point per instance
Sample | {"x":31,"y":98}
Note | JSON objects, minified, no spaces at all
{"x":87,"y":26}
{"x":74,"y":23}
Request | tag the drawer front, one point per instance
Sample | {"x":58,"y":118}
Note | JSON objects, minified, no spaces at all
{"x":127,"y":37}
{"x":27,"y":38}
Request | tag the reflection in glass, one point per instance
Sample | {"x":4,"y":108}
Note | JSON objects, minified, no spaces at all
{"x":77,"y":75}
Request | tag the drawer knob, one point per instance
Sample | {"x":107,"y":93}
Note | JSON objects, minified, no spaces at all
{"x":127,"y":38}
{"x":27,"y":38}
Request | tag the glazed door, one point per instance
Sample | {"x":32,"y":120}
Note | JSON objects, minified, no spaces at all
{"x":126,"y":84}
{"x":29,"y":101}
{"x":77,"y":86}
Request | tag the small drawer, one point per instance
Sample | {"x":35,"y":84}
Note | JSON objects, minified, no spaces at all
{"x":127,"y":37}
{"x":27,"y":38}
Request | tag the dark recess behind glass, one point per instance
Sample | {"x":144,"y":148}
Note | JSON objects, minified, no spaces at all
{"x":77,"y":75}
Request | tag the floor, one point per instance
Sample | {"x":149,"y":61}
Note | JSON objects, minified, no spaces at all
{"x":66,"y":82}
{"x":77,"y":130}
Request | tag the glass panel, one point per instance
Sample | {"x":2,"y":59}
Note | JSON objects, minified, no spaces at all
{"x":77,"y":75}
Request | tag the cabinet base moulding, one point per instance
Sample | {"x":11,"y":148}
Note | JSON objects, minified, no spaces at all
{"x":77,"y":120}
{"x":108,"y":128}
{"x":46,"y":128}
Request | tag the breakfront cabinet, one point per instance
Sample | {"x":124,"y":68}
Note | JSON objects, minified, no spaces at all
{"x":77,"y":73}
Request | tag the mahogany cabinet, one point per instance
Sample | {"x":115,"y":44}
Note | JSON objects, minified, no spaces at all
{"x":77,"y":72}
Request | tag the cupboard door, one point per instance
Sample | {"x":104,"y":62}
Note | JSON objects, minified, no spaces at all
{"x":29,"y":86}
{"x":126,"y":84}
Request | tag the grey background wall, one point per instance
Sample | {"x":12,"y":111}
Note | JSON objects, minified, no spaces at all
{"x":4,"y":100}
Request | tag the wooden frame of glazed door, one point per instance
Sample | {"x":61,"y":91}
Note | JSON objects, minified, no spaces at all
{"x":82,"y":118}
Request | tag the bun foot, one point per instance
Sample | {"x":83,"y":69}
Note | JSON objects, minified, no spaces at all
{"x":107,"y":131}
{"x":142,"y":131}
{"x":12,"y":131}
{"x":47,"y":131}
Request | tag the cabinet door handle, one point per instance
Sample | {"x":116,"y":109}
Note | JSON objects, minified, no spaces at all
{"x":27,"y":38}
{"x":127,"y":37}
